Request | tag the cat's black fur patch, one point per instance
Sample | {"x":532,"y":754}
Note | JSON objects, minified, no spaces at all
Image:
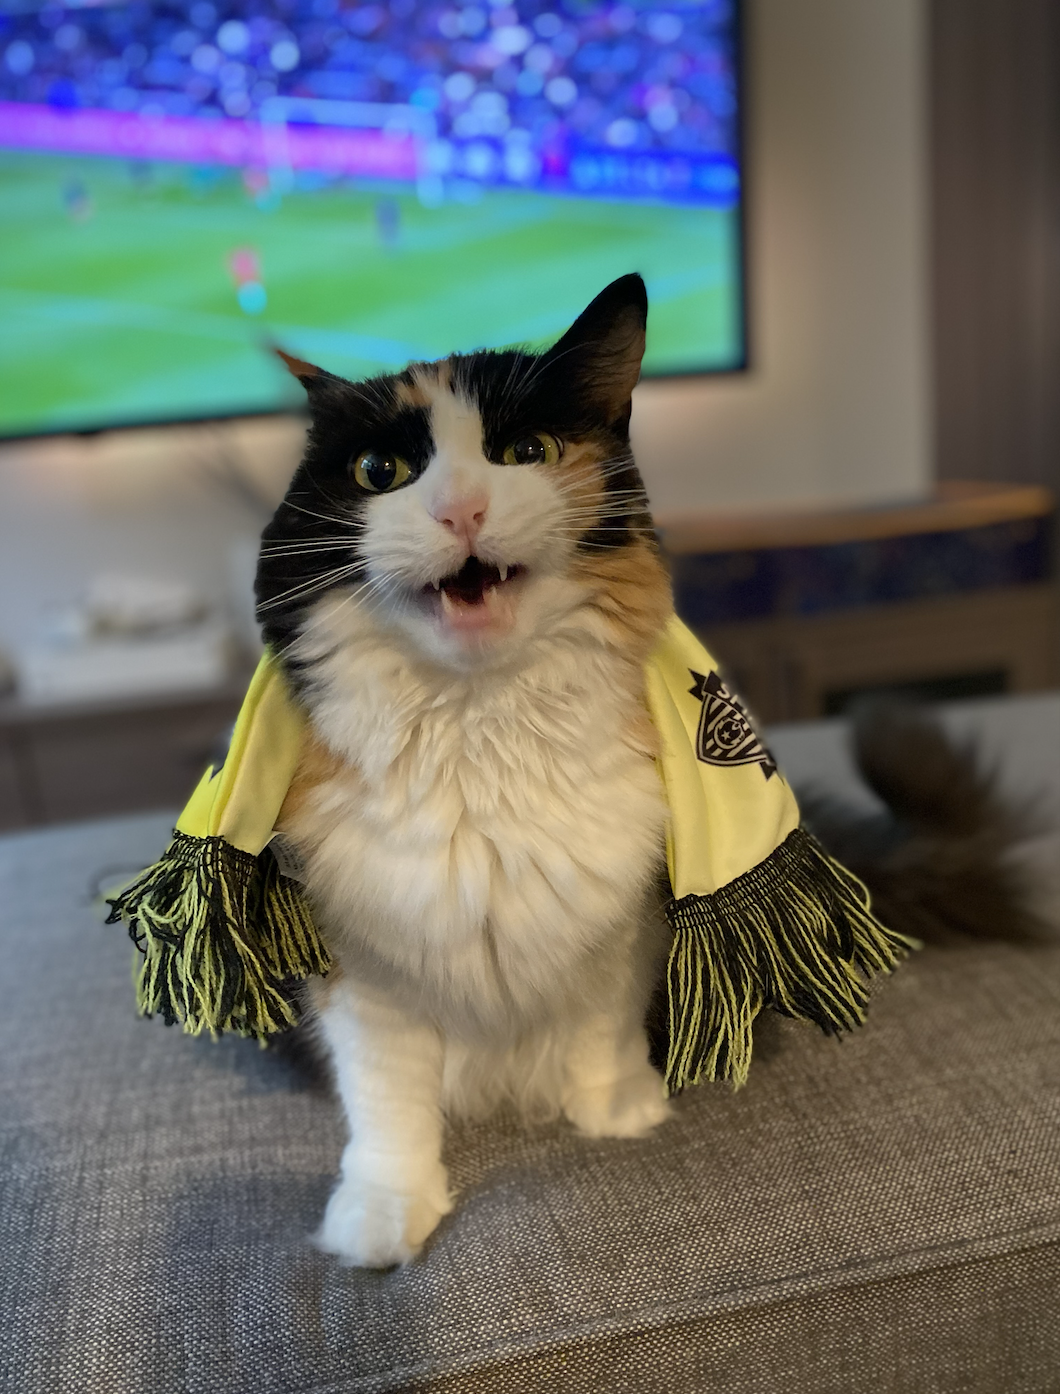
{"x":304,"y":541}
{"x":580,"y":391}
{"x":517,"y":393}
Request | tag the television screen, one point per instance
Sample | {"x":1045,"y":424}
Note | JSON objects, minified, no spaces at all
{"x":183,"y":184}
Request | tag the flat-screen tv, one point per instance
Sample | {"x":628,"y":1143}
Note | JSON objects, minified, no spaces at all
{"x":183,"y":184}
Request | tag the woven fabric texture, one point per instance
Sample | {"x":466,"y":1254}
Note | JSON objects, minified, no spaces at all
{"x":878,"y":1214}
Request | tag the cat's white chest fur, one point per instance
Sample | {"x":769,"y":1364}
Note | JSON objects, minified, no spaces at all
{"x":481,"y":840}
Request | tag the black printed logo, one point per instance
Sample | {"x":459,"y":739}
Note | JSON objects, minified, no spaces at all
{"x":725,"y":735}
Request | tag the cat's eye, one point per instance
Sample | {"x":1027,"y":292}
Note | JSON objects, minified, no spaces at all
{"x":537,"y":448}
{"x":379,"y":472}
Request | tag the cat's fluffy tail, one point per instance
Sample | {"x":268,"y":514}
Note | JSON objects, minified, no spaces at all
{"x":941,"y":861}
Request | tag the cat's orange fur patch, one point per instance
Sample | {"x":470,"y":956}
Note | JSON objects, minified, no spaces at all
{"x":411,"y":393}
{"x":632,"y":590}
{"x":578,"y":475}
{"x":634,"y":587}
{"x":414,"y":387}
{"x":317,"y":765}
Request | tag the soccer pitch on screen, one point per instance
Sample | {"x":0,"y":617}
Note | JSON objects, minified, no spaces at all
{"x":150,"y":293}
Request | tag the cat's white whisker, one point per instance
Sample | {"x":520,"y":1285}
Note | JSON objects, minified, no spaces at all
{"x":316,"y":621}
{"x":326,"y":541}
{"x":306,"y":549}
{"x":349,"y":521}
{"x":542,"y":365}
{"x":599,"y":509}
{"x":306,"y":588}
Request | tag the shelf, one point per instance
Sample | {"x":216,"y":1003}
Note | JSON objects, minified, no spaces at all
{"x":953,"y":506}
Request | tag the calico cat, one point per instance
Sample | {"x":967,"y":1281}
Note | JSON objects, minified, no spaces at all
{"x":464,"y":584}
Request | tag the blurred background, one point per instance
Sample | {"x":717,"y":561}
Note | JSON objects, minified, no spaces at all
{"x":848,"y":216}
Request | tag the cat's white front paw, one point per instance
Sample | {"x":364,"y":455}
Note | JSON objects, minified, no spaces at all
{"x":367,"y":1225}
{"x":628,"y":1107}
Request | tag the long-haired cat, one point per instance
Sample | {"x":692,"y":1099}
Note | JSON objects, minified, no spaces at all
{"x":464,"y":585}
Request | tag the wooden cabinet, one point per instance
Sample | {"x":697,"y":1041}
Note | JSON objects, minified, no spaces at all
{"x":801,"y":668}
{"x":953,"y":595}
{"x":59,"y":764}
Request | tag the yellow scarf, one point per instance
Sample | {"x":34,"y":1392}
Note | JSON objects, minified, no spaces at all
{"x":761,"y":915}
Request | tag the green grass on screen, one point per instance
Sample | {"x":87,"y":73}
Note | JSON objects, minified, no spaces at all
{"x":118,"y":304}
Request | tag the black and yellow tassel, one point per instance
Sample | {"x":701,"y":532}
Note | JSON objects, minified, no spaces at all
{"x":794,"y":933}
{"x":225,"y":938}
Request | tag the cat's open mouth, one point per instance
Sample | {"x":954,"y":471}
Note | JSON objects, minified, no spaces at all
{"x":472,"y":584}
{"x":476,"y":603}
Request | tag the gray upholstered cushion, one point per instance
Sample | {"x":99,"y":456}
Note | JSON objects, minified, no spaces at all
{"x":881,"y":1214}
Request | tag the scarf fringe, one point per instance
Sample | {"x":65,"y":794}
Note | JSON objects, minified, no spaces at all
{"x":225,"y":938}
{"x":794,"y":933}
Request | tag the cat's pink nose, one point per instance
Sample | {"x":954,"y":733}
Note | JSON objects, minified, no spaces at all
{"x":463,"y":515}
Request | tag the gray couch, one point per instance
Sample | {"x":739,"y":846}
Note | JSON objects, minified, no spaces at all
{"x":880,"y":1214}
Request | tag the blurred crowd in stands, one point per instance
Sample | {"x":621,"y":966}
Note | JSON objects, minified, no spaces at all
{"x":624,"y":77}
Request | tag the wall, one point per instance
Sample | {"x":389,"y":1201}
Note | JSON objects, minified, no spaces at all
{"x":185,"y":503}
{"x":995,"y":97}
{"x":837,"y":405}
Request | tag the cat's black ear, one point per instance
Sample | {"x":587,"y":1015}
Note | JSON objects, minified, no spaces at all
{"x":297,"y":367}
{"x":600,"y":354}
{"x":309,"y":375}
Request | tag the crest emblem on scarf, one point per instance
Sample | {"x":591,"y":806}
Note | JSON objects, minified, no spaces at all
{"x":725,"y":735}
